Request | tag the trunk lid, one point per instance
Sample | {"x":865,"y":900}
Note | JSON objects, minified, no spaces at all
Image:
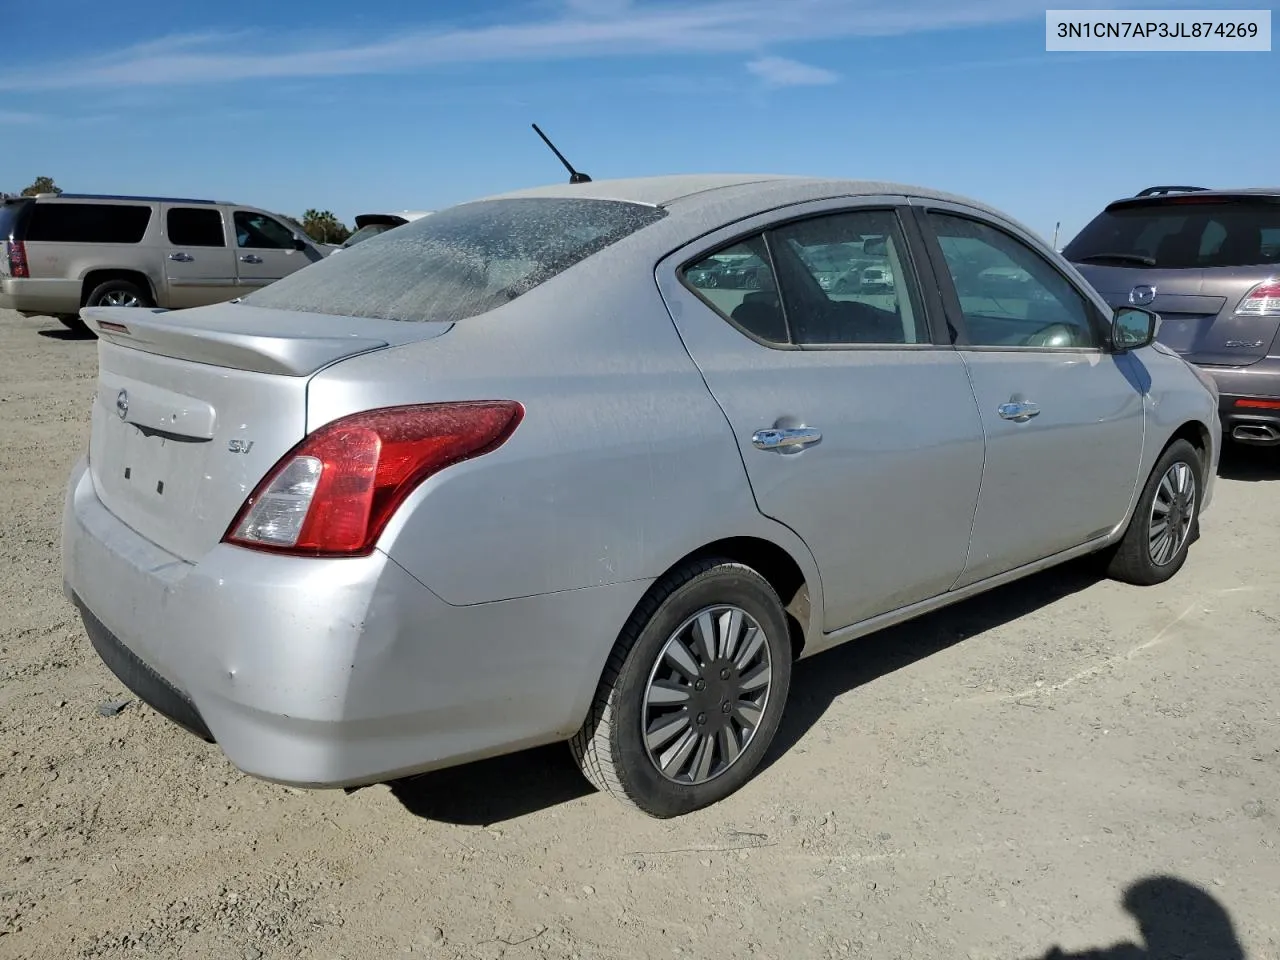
{"x":193,"y":408}
{"x":1196,"y":307}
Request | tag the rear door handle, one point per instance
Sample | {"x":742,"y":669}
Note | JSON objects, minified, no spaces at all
{"x":181,"y":257}
{"x":780,"y":439}
{"x":251,"y":258}
{"x":1019,"y":411}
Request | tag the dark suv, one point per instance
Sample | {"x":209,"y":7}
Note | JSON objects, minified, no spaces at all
{"x":1207,"y":261}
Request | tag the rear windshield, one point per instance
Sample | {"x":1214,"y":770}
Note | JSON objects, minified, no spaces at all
{"x":1182,"y":234}
{"x":88,"y":223}
{"x":459,"y":262}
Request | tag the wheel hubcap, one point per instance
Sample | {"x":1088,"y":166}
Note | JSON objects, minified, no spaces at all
{"x":118,"y":298}
{"x":706,"y":694}
{"x":1172,"y":512}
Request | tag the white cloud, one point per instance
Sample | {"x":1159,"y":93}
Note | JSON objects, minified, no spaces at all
{"x":614,"y":29}
{"x":781,"y":72}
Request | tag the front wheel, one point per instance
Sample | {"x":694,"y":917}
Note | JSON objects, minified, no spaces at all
{"x":693,"y":692}
{"x":1165,"y":521}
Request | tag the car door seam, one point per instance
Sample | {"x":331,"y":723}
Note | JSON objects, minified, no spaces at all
{"x":982,"y":473}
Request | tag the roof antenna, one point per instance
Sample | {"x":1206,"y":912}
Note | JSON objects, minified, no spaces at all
{"x":574,"y":175}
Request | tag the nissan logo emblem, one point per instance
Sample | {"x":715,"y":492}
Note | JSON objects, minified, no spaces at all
{"x":122,"y":403}
{"x":1142,"y":295}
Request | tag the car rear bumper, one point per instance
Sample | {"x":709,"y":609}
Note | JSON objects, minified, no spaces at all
{"x":1246,"y":422}
{"x":331,"y":672}
{"x":39,"y":297}
{"x":1249,"y":401}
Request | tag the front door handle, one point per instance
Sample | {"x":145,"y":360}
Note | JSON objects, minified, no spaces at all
{"x":781,"y":439}
{"x":181,"y":257}
{"x":251,"y":258}
{"x":1019,"y":411}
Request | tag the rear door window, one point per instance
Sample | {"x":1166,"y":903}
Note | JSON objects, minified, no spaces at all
{"x":738,"y":283}
{"x":1182,"y":232}
{"x":196,"y":227}
{"x":61,"y":222}
{"x":840,"y":279}
{"x":460,"y":262}
{"x":846,"y":280}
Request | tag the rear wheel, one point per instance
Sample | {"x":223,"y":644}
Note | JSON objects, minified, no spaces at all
{"x":1165,"y":522}
{"x":118,"y":293}
{"x":693,"y":692}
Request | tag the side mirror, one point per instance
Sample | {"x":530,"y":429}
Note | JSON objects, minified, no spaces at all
{"x":1132,"y":328}
{"x":299,"y":243}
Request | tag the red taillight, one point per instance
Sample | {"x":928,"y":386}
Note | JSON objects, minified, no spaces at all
{"x":17,"y":251}
{"x":1262,"y":301}
{"x":334,"y":493}
{"x":1258,"y":404}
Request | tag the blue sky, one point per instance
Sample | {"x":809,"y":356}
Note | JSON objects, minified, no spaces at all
{"x":417,"y":104}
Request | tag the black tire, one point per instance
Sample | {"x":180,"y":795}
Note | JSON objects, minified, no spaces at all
{"x":111,"y":288}
{"x":73,"y":323}
{"x":610,"y":748}
{"x":1131,"y":559}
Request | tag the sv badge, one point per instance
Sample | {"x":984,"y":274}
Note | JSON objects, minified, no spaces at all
{"x":239,"y":446}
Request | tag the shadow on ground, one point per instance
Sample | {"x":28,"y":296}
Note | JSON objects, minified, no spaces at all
{"x":1250,"y":464}
{"x":817,"y":682}
{"x":514,"y":786}
{"x":62,"y":333}
{"x":1177,"y":920}
{"x":492,"y":791}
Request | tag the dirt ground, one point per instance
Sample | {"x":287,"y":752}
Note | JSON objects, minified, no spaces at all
{"x":989,"y":782}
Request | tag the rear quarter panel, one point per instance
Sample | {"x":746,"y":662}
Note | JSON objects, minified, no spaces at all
{"x":622,"y":465}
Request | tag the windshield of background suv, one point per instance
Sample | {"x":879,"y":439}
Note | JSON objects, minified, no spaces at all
{"x":364,"y":233}
{"x":457,"y":263}
{"x":1178,"y":233}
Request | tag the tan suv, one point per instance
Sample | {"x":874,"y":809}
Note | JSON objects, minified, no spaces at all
{"x":60,"y":253}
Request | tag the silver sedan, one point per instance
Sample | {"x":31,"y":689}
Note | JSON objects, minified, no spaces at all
{"x":531,"y":469}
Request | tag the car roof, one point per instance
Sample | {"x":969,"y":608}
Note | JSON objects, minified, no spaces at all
{"x":691,"y":190}
{"x":113,"y":197}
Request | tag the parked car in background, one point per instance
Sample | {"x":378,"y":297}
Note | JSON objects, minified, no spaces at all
{"x":875,"y":278}
{"x":63,"y":252}
{"x":509,"y":475}
{"x":1208,"y":262}
{"x":371,"y":224}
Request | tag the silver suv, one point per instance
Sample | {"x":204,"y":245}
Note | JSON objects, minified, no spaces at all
{"x":59,"y":253}
{"x":1207,"y":261}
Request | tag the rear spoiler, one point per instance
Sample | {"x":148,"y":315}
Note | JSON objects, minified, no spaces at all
{"x":368,"y":219}
{"x":259,"y":350}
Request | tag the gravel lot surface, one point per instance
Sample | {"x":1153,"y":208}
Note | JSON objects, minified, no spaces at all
{"x":989,"y":782}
